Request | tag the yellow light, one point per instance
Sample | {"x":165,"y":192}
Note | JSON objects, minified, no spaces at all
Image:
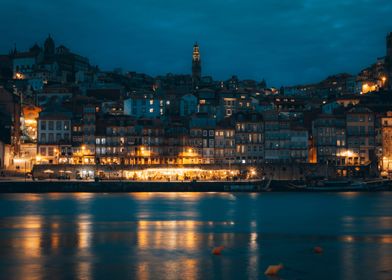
{"x":19,"y":160}
{"x":19,"y":76}
{"x":384,"y":79}
{"x":38,"y":158}
{"x":347,"y":153}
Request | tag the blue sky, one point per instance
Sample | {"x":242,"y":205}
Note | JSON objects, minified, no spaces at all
{"x":284,"y":41}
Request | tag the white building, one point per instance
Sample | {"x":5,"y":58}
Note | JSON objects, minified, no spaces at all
{"x":54,"y":130}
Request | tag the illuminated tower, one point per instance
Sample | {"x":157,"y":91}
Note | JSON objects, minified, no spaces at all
{"x":388,"y":60}
{"x":196,"y":65}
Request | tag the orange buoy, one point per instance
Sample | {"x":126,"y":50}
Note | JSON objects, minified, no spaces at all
{"x":217,"y":250}
{"x":273,"y":269}
{"x":318,"y":250}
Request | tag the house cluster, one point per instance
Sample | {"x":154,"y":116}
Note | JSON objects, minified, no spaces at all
{"x":58,"y":109}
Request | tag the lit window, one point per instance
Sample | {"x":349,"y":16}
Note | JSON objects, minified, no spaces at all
{"x":151,"y":110}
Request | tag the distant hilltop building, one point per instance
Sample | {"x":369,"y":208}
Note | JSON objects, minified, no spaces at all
{"x":49,"y":64}
{"x":196,"y":66}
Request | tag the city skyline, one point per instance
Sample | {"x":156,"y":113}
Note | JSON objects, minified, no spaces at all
{"x":283,"y":59}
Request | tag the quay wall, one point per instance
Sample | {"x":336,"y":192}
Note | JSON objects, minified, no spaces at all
{"x":47,"y":186}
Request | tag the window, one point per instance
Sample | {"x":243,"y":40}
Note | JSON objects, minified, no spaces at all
{"x":204,"y":132}
{"x":51,"y":138}
{"x":42,"y":151}
{"x":51,"y":125}
{"x":43,"y":125}
{"x":66,"y":125}
{"x":58,"y":125}
{"x":211,"y":133}
{"x":43,"y":137}
{"x":50,"y":151}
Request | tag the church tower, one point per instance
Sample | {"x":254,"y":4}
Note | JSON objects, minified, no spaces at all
{"x":196,"y":66}
{"x":49,"y":47}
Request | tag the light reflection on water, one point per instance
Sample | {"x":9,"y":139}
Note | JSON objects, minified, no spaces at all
{"x":171,"y":235}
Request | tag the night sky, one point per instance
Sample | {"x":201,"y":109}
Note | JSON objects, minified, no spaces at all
{"x":284,"y":41}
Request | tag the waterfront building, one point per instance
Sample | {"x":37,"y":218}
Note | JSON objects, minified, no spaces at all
{"x":202,"y":136}
{"x":152,"y":139}
{"x":115,"y":139}
{"x":225,"y":145}
{"x":329,"y":136}
{"x":178,"y":148}
{"x":86,"y":152}
{"x":54,"y":135}
{"x":10,"y":116}
{"x":360,"y":131}
{"x":2,"y":154}
{"x":386,"y":134}
{"x":249,"y":138}
{"x":286,"y":140}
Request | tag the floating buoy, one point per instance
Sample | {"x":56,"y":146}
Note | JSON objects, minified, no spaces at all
{"x":273,"y":269}
{"x":318,"y":250}
{"x":217,"y":250}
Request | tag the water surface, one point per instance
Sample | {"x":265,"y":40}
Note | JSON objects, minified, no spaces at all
{"x":171,"y":235}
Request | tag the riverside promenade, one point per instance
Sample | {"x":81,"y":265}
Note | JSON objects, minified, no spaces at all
{"x":45,"y":186}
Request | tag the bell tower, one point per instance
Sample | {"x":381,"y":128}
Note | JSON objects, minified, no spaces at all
{"x":196,"y":66}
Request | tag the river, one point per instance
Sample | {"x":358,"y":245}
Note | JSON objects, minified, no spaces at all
{"x":171,"y":235}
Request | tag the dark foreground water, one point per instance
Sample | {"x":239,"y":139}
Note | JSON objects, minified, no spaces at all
{"x":170,"y":236}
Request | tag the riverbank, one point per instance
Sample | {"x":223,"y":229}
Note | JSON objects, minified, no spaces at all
{"x":128,"y":186}
{"x":67,"y":186}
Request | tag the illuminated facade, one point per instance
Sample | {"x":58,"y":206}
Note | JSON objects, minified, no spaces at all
{"x":54,"y":133}
{"x":386,"y":134}
{"x":249,"y":138}
{"x":329,"y":134}
{"x":360,"y":125}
